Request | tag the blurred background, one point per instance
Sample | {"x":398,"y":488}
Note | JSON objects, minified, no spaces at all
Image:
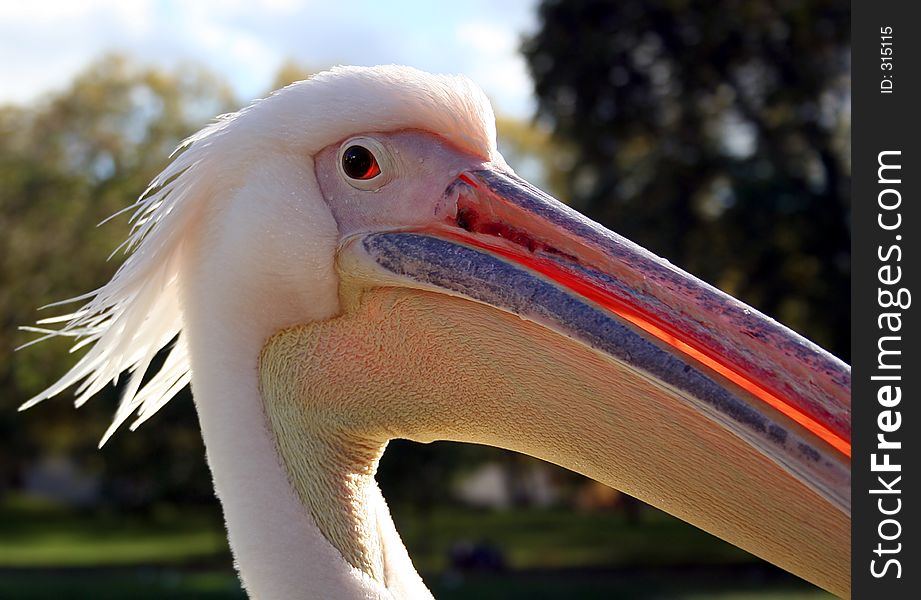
{"x":714,"y":133}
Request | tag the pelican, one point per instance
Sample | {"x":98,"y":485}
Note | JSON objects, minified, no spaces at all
{"x":350,"y":260}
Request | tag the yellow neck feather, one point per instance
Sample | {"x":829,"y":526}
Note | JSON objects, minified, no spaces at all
{"x":407,"y":364}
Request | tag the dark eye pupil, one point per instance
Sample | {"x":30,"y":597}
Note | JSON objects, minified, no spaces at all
{"x":358,"y":162}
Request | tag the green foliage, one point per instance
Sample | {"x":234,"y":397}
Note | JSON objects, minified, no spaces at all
{"x":66,"y":164}
{"x":289,"y":72}
{"x":716,"y":134}
{"x":531,"y":150}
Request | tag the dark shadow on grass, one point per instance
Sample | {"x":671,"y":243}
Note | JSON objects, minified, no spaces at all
{"x":750,"y":582}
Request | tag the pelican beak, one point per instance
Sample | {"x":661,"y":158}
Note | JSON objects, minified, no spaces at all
{"x":507,"y":244}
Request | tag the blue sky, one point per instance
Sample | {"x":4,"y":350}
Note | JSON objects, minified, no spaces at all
{"x":43,"y":43}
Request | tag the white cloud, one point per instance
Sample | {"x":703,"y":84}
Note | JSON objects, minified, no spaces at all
{"x":497,"y":66}
{"x":53,"y":10}
{"x":43,"y":43}
{"x":282,"y":6}
{"x":252,"y":61}
{"x":487,"y":38}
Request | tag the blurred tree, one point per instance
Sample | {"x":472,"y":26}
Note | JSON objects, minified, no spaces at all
{"x":530,"y":149}
{"x":717,"y":135}
{"x":66,"y":164}
{"x":289,"y":72}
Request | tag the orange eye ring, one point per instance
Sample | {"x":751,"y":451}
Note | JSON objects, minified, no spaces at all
{"x":359,"y":163}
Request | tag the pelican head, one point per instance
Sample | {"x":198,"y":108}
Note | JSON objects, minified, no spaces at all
{"x":351,"y":260}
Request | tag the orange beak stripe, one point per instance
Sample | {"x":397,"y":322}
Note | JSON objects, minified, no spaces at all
{"x":660,"y":331}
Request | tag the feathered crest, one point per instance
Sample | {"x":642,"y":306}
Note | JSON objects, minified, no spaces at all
{"x":138,"y":312}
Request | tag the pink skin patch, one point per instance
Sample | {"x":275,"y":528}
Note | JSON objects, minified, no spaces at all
{"x":484,"y":220}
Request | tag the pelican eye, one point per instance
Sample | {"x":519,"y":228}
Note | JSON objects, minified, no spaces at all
{"x":365,"y":163}
{"x":359,"y":163}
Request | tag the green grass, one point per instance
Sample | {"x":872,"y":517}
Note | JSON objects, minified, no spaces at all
{"x":34,"y":534}
{"x":46,"y":552}
{"x":607,"y":585}
{"x":137,"y":584}
{"x":565,"y":539}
